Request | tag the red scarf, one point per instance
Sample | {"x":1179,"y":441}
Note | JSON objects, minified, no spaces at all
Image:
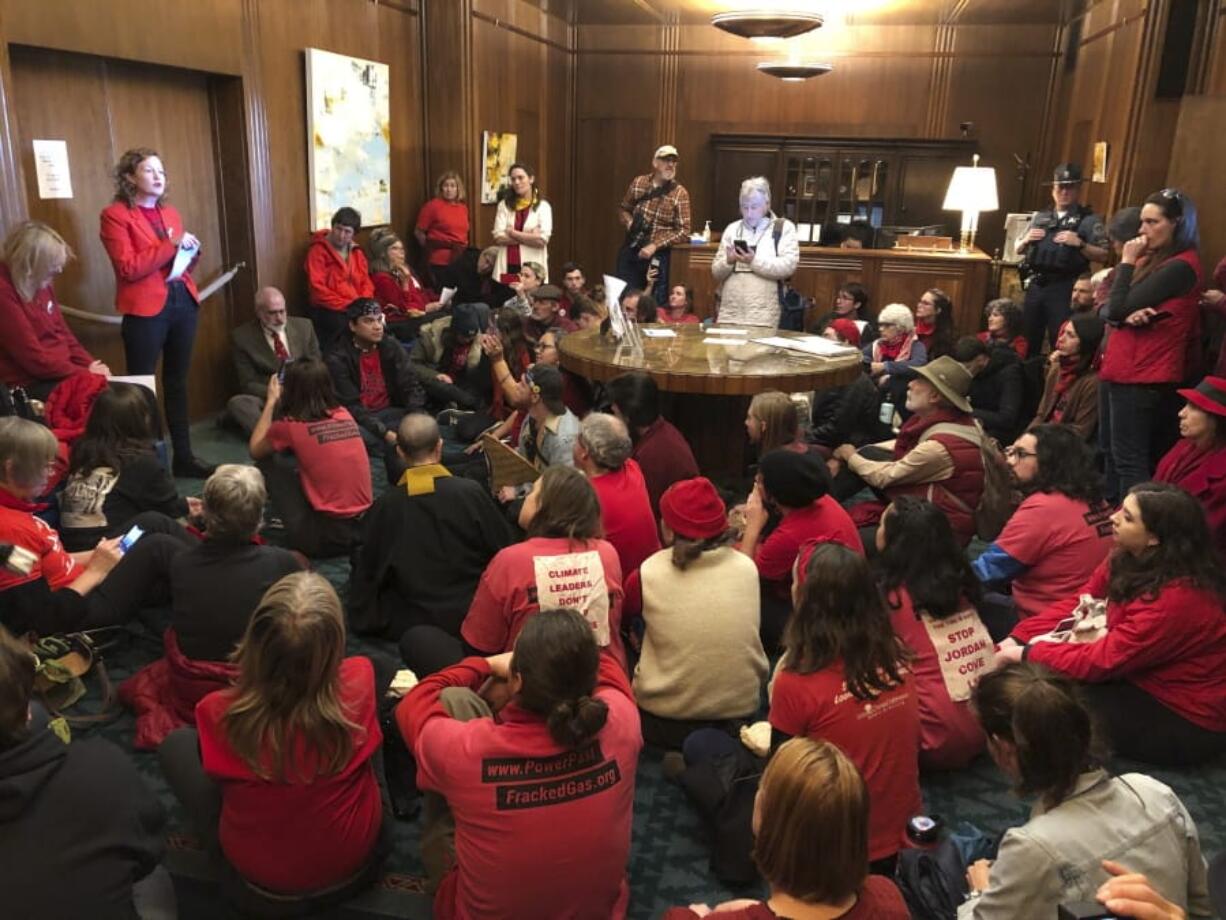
{"x":925,"y":328}
{"x":914,"y":427}
{"x":896,"y":351}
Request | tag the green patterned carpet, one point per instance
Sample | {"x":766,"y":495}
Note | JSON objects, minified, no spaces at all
{"x":668,"y":863}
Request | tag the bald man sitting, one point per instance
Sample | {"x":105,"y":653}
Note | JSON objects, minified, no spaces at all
{"x":260,"y":348}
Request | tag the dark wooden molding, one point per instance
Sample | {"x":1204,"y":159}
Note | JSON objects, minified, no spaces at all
{"x":259,"y":165}
{"x":1107,"y":30}
{"x":520,"y":31}
{"x":757,"y":55}
{"x":666,"y":110}
{"x":13,"y":206}
{"x":408,"y":8}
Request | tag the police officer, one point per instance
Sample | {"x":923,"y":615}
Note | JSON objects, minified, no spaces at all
{"x":1062,"y":242}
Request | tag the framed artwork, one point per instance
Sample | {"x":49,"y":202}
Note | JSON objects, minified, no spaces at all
{"x":348,"y":137}
{"x":1100,"y":162}
{"x":497,"y":154}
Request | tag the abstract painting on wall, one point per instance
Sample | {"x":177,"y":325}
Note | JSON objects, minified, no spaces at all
{"x":349,"y":137}
{"x":497,"y":155}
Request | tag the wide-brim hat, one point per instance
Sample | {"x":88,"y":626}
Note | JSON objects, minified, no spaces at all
{"x":1209,"y":395}
{"x":1066,"y":174}
{"x":952,"y":380}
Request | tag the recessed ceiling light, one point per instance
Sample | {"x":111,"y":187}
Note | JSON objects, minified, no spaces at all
{"x":792,"y":71}
{"x":767,"y":23}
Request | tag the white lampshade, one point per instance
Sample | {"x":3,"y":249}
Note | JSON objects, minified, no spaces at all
{"x":972,"y":188}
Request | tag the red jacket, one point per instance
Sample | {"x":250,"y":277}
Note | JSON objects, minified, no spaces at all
{"x":1173,"y":647}
{"x":335,"y":283}
{"x":1158,"y":352}
{"x":68,"y":409}
{"x":1202,"y":474}
{"x":37,"y":344}
{"x":140,"y":258}
{"x":164,"y":693}
{"x":539,"y":830}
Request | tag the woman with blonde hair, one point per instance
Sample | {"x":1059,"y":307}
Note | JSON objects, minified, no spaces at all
{"x":773,"y":423}
{"x":442,"y":222}
{"x":38,"y":350}
{"x":810,"y":825}
{"x":281,"y":772}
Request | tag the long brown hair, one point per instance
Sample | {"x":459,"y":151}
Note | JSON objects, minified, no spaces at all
{"x":557,"y":659}
{"x":841,"y":617}
{"x":125,"y":188}
{"x":567,"y":507}
{"x":289,"y":683}
{"x":308,"y":394}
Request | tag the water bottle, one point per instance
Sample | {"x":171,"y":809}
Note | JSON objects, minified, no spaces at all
{"x":886,"y":417}
{"x":706,"y":232}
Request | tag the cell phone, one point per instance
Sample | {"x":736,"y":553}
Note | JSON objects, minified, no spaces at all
{"x":1161,"y":314}
{"x":1084,"y":910}
{"x":740,"y":246}
{"x":128,"y":540}
{"x":281,"y":370}
{"x":655,"y":262}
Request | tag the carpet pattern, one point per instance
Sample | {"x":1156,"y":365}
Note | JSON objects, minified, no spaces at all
{"x":668,"y":861}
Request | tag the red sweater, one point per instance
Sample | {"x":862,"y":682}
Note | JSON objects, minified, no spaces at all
{"x":298,"y":836}
{"x":398,"y":299}
{"x":1202,"y":474}
{"x":1173,"y":647}
{"x":37,"y":344}
{"x":334,"y":283}
{"x":539,"y":830}
{"x":625,"y":511}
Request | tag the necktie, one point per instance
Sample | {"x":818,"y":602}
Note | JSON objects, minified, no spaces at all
{"x":278,"y":347}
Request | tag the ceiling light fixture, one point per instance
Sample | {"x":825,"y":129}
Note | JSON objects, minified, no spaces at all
{"x":767,"y":23}
{"x":794,"y":71}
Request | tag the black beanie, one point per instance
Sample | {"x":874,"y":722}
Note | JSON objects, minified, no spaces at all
{"x":793,"y":479}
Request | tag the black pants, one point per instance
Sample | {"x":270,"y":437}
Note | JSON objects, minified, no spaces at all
{"x":168,"y":335}
{"x":1136,"y":426}
{"x":329,"y":325}
{"x":141,"y":579}
{"x":1046,"y":306}
{"x":307,"y":530}
{"x":633,"y":270}
{"x":670,"y":734}
{"x":1139,"y":727}
{"x":429,"y":649}
{"x":200,"y":797}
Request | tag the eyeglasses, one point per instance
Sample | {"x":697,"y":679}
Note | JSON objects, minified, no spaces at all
{"x":1016,"y":453}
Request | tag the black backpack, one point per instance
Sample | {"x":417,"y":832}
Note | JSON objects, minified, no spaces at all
{"x":792,"y":306}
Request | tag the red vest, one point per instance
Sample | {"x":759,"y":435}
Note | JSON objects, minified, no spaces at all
{"x":1156,"y":353}
{"x":959,"y":495}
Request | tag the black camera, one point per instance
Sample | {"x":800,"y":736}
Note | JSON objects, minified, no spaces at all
{"x":1085,"y":910}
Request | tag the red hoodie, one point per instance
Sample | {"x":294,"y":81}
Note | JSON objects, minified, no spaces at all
{"x":335,"y":283}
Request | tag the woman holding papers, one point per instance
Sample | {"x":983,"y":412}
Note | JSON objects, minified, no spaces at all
{"x":754,"y":258}
{"x":153,"y":256}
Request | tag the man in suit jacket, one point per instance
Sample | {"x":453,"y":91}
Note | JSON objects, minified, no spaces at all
{"x":260,"y":347}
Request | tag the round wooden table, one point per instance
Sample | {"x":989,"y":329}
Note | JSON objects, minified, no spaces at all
{"x":707,"y":379}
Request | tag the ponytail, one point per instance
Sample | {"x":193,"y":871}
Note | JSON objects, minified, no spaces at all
{"x":573,"y":723}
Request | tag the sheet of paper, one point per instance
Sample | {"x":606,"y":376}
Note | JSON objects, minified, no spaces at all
{"x":731,"y":343}
{"x":219,"y":282}
{"x":804,"y":232}
{"x":51,"y":166}
{"x":183,"y":258}
{"x":445,"y":297}
{"x":724,"y":330}
{"x":659,"y":333}
{"x":809,"y":344}
{"x":613,"y":288}
{"x":148,"y":381}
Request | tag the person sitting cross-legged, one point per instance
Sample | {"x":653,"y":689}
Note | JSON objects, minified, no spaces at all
{"x":660,"y":450}
{"x":427,"y":541}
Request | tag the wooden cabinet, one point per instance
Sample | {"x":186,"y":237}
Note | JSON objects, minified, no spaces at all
{"x":822,"y":181}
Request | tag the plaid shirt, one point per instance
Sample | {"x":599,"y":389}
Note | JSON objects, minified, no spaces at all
{"x":668,"y":215}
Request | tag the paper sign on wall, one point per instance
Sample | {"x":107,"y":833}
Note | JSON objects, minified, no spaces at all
{"x":51,"y":166}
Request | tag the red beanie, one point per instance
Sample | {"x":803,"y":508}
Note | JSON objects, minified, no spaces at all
{"x":848,"y":330}
{"x":693,"y":509}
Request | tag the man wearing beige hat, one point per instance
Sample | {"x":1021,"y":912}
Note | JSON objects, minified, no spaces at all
{"x":936,"y":455}
{"x":656,"y":214}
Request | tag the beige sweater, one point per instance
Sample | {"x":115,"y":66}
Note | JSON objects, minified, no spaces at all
{"x":702,"y":658}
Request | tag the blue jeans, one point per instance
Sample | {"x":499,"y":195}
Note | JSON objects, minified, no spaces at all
{"x":633,"y":270}
{"x":168,"y":335}
{"x":1129,"y":424}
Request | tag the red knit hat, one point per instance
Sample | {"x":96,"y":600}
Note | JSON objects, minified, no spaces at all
{"x":693,"y":509}
{"x":847,"y":330}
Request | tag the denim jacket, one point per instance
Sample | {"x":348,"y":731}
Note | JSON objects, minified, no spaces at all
{"x":1056,"y":856}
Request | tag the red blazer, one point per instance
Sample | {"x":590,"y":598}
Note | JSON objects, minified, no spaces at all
{"x":140,"y":259}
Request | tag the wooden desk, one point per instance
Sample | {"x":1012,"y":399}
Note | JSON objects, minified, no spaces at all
{"x":706,"y":388}
{"x":891,"y":276}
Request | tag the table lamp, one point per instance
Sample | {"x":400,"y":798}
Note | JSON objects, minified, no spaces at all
{"x":971,"y":191}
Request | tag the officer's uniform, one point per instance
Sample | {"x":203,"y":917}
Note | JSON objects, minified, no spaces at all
{"x":1055,"y":267}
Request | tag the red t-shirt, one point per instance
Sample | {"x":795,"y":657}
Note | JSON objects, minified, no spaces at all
{"x":950,"y":655}
{"x":539,"y":830}
{"x":374,"y":388}
{"x":332,"y":461}
{"x":625,"y":511}
{"x":825,"y":521}
{"x":880,"y":737}
{"x":298,"y":835}
{"x":583,"y":575}
{"x":445,"y":224}
{"x":879,"y":900}
{"x":1062,"y":540}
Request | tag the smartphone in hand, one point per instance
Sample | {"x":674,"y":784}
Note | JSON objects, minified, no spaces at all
{"x":128,"y":540}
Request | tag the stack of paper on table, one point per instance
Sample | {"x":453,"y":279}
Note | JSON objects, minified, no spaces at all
{"x":810,"y":345}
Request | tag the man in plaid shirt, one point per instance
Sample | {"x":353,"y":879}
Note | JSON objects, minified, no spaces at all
{"x":656,"y":214}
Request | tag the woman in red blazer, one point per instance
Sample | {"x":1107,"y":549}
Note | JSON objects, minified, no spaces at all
{"x":142,"y":235}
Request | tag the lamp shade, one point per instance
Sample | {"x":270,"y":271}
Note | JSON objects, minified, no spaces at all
{"x":972,"y":188}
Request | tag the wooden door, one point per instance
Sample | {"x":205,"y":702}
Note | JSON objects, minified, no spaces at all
{"x":103,"y":107}
{"x":733,"y":165}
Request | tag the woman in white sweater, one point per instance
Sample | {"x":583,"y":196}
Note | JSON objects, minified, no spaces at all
{"x":749,"y":263}
{"x":702,"y":662}
{"x":523,"y":224}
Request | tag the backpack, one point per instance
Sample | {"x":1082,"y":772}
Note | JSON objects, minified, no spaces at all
{"x":792,"y":306}
{"x":998,"y":501}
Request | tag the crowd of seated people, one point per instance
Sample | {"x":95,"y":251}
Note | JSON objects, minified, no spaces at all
{"x":842,"y":628}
